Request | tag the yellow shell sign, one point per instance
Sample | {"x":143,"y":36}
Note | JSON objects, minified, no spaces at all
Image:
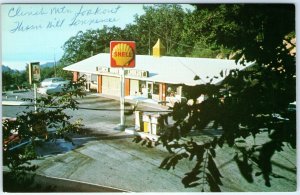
{"x":122,"y":54}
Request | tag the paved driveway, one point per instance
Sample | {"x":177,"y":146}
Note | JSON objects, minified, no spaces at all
{"x":108,"y":157}
{"x":113,"y":160}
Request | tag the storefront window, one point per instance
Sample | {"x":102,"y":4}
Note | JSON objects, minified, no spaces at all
{"x":142,"y":84}
{"x":81,"y":74}
{"x":171,"y":90}
{"x":155,"y":88}
{"x":143,"y":88}
{"x":94,"y":78}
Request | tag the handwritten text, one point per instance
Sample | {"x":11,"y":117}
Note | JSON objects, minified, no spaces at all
{"x":34,"y":18}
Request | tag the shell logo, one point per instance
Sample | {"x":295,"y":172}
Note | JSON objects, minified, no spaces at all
{"x":122,"y":54}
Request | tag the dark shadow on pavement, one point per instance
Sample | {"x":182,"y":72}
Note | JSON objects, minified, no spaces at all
{"x":49,"y":184}
{"x":60,"y":146}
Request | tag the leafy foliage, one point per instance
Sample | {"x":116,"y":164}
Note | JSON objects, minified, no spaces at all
{"x":175,"y":27}
{"x":12,"y":80}
{"x":20,"y":136}
{"x":57,"y":71}
{"x":247,"y":103}
{"x":162,"y":21}
{"x":89,"y":43}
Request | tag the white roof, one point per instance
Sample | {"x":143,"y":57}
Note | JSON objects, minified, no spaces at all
{"x":167,"y":69}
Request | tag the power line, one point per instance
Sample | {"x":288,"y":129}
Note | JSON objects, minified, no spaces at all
{"x":98,"y":109}
{"x":196,"y":47}
{"x":187,"y":67}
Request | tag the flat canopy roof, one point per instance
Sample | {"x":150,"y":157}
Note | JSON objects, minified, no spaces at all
{"x":167,"y":69}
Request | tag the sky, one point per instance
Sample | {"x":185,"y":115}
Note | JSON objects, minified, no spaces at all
{"x":37,"y":32}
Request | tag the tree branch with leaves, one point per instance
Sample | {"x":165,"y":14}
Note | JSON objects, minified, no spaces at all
{"x":20,"y":136}
{"x":247,"y":103}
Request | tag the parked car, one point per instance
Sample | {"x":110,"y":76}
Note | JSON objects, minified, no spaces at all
{"x":55,"y":80}
{"x":53,"y":88}
{"x":13,"y":141}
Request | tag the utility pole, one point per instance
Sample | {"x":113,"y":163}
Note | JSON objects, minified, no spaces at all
{"x":54,"y":56}
{"x":149,"y":43}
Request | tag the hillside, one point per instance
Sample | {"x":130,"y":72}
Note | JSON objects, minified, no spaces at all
{"x":8,"y":69}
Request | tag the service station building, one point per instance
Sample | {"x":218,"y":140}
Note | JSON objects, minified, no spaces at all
{"x":155,"y":77}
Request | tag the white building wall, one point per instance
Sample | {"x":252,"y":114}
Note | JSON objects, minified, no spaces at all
{"x":111,"y":86}
{"x":134,"y":87}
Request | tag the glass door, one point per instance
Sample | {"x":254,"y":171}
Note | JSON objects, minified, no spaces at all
{"x":150,"y":89}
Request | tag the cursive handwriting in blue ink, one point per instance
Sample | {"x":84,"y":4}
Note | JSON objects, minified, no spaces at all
{"x":18,"y":12}
{"x":20,"y":27}
{"x":56,"y":23}
{"x":59,"y":16}
{"x":97,"y":11}
{"x":92,"y":21}
{"x":92,"y":12}
{"x":60,"y":10}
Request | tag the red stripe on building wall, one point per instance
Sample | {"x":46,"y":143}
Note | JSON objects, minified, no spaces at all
{"x":75,"y":76}
{"x":99,"y":84}
{"x":162,"y":91}
{"x":127,"y":87}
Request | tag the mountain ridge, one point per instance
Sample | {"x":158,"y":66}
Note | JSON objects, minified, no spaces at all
{"x":8,"y":69}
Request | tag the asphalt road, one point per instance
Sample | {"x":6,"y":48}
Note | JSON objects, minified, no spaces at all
{"x":99,"y":115}
{"x":107,"y":157}
{"x":95,"y":111}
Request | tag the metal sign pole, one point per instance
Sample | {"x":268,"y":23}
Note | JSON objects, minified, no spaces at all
{"x":122,"y":54}
{"x":35,"y":96}
{"x":34,"y":76}
{"x":122,"y":98}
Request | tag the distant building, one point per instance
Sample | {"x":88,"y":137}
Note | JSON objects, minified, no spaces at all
{"x":155,"y":77}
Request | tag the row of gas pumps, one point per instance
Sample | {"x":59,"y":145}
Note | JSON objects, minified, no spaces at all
{"x":149,"y":122}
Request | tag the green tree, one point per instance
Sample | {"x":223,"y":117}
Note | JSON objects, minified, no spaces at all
{"x":164,"y":21}
{"x":47,"y":72}
{"x":14,"y":79}
{"x":6,"y":80}
{"x":62,"y":73}
{"x":30,"y":125}
{"x":91,"y":42}
{"x":198,"y":33}
{"x":160,"y":21}
{"x":248,"y":102}
{"x":78,"y":47}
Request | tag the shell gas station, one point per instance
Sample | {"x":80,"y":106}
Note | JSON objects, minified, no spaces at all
{"x":152,"y":78}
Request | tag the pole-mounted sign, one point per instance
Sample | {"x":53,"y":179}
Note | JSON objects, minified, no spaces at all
{"x":122,"y":55}
{"x":34,"y":72}
{"x":34,"y":76}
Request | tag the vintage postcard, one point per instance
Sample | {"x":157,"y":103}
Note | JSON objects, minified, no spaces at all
{"x":170,"y":97}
